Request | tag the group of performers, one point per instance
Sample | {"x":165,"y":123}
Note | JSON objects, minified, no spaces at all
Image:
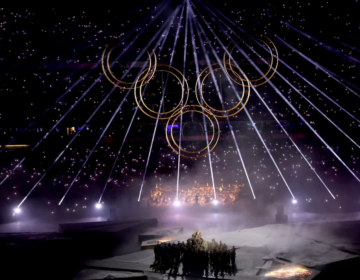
{"x":197,"y":256}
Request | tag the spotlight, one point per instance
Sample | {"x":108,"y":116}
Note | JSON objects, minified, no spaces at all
{"x":294,"y":201}
{"x":176,"y":203}
{"x":215,"y":202}
{"x":17,"y":210}
{"x":98,"y":205}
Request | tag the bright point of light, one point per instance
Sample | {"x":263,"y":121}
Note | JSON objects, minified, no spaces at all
{"x":17,"y":210}
{"x":176,"y":203}
{"x":294,"y":201}
{"x":216,"y":202}
{"x":98,"y":205}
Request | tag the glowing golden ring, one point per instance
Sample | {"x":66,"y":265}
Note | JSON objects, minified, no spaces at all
{"x":223,"y":111}
{"x":234,"y":108}
{"x":163,"y":113}
{"x":178,"y":114}
{"x":202,"y":83}
{"x":111,"y":73}
{"x":272,"y":58}
{"x":172,"y":136}
{"x":121,"y":87}
{"x":272,"y":62}
{"x":182,"y":95}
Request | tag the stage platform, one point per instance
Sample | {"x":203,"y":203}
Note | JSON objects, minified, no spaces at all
{"x":160,"y":233}
{"x":106,"y":227}
{"x":320,"y":248}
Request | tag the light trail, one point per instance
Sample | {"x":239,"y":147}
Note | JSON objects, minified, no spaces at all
{"x":267,"y":107}
{"x":55,"y":102}
{"x":81,"y":79}
{"x":316,"y":88}
{"x":97,"y":142}
{"x":81,"y":97}
{"x":303,"y":119}
{"x":218,"y":91}
{"x":284,"y":63}
{"x":219,"y":95}
{"x":118,"y":154}
{"x":335,"y":51}
{"x":198,"y":73}
{"x":263,"y":101}
{"x":109,"y":123}
{"x":286,"y":80}
{"x":312,"y":129}
{"x":162,"y":99}
{"x":67,"y":146}
{"x":249,"y":116}
{"x":70,"y":75}
{"x":312,"y":104}
{"x":83,"y":76}
{"x":322,"y":68}
{"x":312,"y":168}
{"x":182,"y":103}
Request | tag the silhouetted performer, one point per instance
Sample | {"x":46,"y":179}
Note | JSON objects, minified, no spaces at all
{"x":196,"y":199}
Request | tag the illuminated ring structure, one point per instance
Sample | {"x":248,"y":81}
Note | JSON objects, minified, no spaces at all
{"x":269,"y":70}
{"x":150,"y":73}
{"x":228,"y":112}
{"x":208,"y":115}
{"x":160,"y":115}
{"x":147,"y":75}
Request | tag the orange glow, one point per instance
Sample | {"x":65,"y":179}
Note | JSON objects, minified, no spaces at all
{"x":163,"y":240}
{"x":165,"y":195}
{"x":289,"y":273}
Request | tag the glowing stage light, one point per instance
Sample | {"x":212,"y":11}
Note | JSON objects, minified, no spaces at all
{"x":198,"y":72}
{"x":177,"y":203}
{"x":162,"y":99}
{"x":17,"y":210}
{"x":98,"y":206}
{"x":294,"y":201}
{"x":215,"y":202}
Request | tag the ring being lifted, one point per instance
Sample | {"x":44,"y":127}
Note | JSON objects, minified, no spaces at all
{"x":148,"y":74}
{"x":180,"y":112}
{"x":139,"y":100}
{"x":226,"y":112}
{"x":271,"y":64}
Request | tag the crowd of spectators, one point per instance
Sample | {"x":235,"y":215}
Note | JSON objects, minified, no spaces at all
{"x":43,"y":82}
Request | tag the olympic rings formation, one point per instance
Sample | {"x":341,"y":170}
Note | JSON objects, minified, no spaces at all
{"x":215,"y":132}
{"x":211,"y":114}
{"x":160,"y":115}
{"x":229,"y":112}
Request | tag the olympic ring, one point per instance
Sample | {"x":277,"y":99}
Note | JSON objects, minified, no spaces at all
{"x":140,"y":99}
{"x":271,"y":65}
{"x":147,"y":75}
{"x":180,"y":112}
{"x":122,"y":82}
{"x":222,"y":111}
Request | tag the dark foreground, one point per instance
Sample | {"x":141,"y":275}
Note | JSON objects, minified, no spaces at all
{"x":56,"y":255}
